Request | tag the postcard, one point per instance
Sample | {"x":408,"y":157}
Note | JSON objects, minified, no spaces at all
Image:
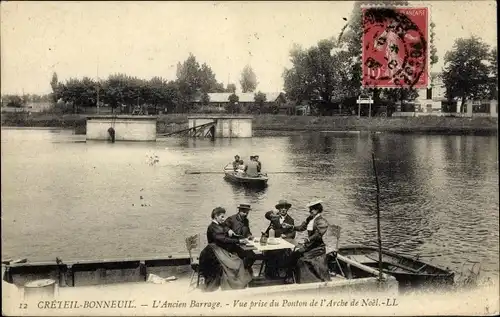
{"x":291,"y":158}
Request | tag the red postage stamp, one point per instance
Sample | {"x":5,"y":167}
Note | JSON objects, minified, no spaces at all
{"x":395,"y":47}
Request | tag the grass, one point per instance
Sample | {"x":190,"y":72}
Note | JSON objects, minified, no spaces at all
{"x":283,"y":123}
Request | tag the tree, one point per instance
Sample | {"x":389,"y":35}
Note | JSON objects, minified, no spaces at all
{"x":205,"y":99}
{"x":493,"y":66}
{"x":188,"y":76}
{"x":12,"y":101}
{"x":433,"y":50}
{"x":353,"y":36}
{"x":155,"y":93}
{"x":208,"y":82}
{"x":231,"y":88}
{"x":466,"y":70}
{"x":260,"y":98}
{"x":318,"y":75}
{"x":400,"y":94}
{"x":80,"y":93}
{"x":113,"y":90}
{"x":248,"y":79}
{"x":193,"y":79}
{"x":233,"y":103}
{"x":54,"y":83}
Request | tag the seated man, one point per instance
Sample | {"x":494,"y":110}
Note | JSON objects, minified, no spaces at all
{"x":283,"y":225}
{"x":259,"y":167}
{"x":252,"y":168}
{"x":238,"y":223}
{"x":237,"y":162}
{"x":280,"y":221}
{"x":239,"y":227}
{"x":218,"y":264}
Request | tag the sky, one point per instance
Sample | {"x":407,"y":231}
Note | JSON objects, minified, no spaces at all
{"x":146,"y":39}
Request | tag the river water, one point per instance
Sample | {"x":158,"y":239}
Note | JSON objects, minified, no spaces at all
{"x":64,"y":197}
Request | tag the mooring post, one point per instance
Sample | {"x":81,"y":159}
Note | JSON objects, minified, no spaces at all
{"x":379,"y":238}
{"x":143,"y":270}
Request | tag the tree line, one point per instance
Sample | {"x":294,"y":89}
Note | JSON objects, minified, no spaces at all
{"x":330,"y":72}
{"x":129,"y":92}
{"x":18,"y":101}
{"x":328,"y":75}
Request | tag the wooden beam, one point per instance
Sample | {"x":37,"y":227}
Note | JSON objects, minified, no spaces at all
{"x":361,"y":266}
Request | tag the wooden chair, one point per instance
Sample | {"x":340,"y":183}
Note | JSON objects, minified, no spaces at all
{"x":192,"y":244}
{"x":334,"y":230}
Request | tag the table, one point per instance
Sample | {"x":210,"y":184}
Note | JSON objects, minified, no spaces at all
{"x":280,"y":245}
{"x":263,"y":251}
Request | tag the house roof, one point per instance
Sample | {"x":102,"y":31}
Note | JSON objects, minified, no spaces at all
{"x":222,"y":97}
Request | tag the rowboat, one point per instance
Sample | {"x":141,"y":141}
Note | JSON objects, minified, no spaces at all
{"x":409,"y":272}
{"x":238,"y":177}
{"x":180,"y":274}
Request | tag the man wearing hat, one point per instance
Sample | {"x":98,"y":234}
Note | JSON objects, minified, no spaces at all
{"x":281,"y":222}
{"x":239,"y":223}
{"x":239,"y":226}
{"x":283,"y":226}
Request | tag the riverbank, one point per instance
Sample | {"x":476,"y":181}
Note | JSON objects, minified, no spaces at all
{"x":278,"y":124}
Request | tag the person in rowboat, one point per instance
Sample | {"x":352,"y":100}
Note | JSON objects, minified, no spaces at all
{"x":252,"y":168}
{"x":220,"y":263}
{"x":241,"y":167}
{"x":237,"y":162}
{"x":259,"y":167}
{"x":309,"y":261}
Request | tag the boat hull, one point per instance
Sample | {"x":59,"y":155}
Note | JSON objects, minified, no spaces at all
{"x":409,"y":272}
{"x":234,"y":178}
{"x":133,"y":271}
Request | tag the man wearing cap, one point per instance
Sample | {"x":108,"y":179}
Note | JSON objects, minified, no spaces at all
{"x":309,"y":260}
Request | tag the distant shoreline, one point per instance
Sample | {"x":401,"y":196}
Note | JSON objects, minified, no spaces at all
{"x":268,"y":124}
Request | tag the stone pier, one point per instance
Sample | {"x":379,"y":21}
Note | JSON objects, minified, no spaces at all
{"x":125,"y":127}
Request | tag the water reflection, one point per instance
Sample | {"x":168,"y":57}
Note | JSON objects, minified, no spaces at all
{"x":256,"y":192}
{"x":415,"y":182}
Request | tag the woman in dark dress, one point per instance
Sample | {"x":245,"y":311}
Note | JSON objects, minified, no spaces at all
{"x":219,"y":260}
{"x":309,"y":261}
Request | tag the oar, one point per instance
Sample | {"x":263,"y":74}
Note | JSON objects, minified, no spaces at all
{"x":210,"y":172}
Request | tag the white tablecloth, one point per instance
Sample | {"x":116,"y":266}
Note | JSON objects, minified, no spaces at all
{"x":281,"y":244}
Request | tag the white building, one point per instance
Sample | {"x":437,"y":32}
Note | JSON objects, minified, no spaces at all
{"x":430,"y":99}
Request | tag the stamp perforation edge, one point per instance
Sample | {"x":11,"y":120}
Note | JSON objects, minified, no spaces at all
{"x":428,"y":31}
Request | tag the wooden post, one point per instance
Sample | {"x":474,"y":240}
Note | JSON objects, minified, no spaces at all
{"x":97,"y":98}
{"x":379,"y":238}
{"x":143,"y":270}
{"x":359,"y":107}
{"x":71,"y":275}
